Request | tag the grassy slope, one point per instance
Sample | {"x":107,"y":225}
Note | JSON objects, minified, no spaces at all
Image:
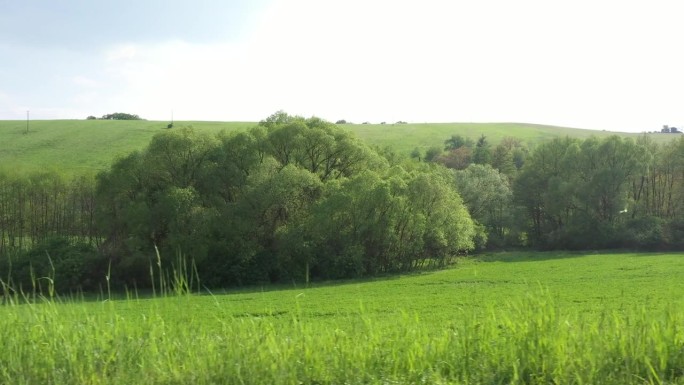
{"x":405,"y":137}
{"x":80,"y":146}
{"x":508,"y":318}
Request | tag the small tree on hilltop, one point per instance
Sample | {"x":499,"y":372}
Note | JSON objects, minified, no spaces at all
{"x":121,"y":116}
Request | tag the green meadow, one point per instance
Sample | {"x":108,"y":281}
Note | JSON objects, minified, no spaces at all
{"x":405,"y":137}
{"x":79,"y":147}
{"x":509,"y":318}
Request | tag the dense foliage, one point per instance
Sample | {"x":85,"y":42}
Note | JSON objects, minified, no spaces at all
{"x":292,"y":198}
{"x":299,"y":199}
{"x":604,"y":193}
{"x":120,"y":116}
{"x":573,"y":194}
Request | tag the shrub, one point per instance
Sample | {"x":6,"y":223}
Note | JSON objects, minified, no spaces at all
{"x":645,"y":233}
{"x":71,"y":266}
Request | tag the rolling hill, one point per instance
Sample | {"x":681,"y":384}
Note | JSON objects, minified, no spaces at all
{"x":86,"y":146}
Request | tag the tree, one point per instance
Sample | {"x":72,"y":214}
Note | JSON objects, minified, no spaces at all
{"x":457,"y":141}
{"x":509,"y":156}
{"x":272,"y":203}
{"x":416,"y":154}
{"x":487,"y":195}
{"x":316,"y":145}
{"x":482,"y":153}
{"x":502,"y":160}
{"x":156,"y":198}
{"x":457,"y":159}
{"x":178,"y":157}
{"x":432,"y":154}
{"x":543,"y":213}
{"x":121,"y":116}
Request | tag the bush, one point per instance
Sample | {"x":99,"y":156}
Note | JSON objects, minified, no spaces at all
{"x":675,"y":233}
{"x":71,"y":266}
{"x":645,"y":233}
{"x":121,"y":116}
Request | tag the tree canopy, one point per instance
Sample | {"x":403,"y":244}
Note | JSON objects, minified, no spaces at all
{"x":120,"y":116}
{"x":292,"y":198}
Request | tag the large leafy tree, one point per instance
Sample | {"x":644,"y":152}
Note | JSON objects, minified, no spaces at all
{"x":321,"y":147}
{"x":487,"y":194}
{"x":155,"y":198}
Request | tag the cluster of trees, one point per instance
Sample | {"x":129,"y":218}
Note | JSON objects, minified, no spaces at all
{"x":571,"y":194}
{"x":292,"y":198}
{"x":116,"y":116}
{"x":48,"y":225}
{"x":460,"y":152}
{"x":299,"y":199}
{"x":614,"y":192}
{"x":41,"y":205}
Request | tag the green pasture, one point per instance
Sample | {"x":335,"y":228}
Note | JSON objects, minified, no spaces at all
{"x":405,"y":137}
{"x":76,"y":147}
{"x":511,"y":318}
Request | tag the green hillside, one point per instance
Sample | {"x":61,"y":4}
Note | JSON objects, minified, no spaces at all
{"x":82,"y":146}
{"x":405,"y":137}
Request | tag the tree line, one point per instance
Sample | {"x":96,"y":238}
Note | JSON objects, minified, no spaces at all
{"x":570,"y":193}
{"x":297,"y":199}
{"x":116,"y":116}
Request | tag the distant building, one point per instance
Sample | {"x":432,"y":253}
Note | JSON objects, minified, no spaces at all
{"x":670,"y":130}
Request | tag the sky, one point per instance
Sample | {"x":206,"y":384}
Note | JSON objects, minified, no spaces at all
{"x":595,"y":64}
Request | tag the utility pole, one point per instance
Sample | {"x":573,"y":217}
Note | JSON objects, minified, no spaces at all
{"x":170,"y":125}
{"x":27,"y":121}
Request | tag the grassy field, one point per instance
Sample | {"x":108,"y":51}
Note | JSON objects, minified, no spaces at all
{"x":406,"y":137}
{"x":512,"y":318}
{"x":77,"y":147}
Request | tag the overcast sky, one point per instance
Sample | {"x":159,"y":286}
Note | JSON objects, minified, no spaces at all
{"x":614,"y":65}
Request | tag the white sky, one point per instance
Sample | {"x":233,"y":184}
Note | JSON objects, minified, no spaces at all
{"x":614,"y":65}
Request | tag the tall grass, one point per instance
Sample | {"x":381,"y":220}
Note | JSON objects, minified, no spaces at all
{"x":531,"y":341}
